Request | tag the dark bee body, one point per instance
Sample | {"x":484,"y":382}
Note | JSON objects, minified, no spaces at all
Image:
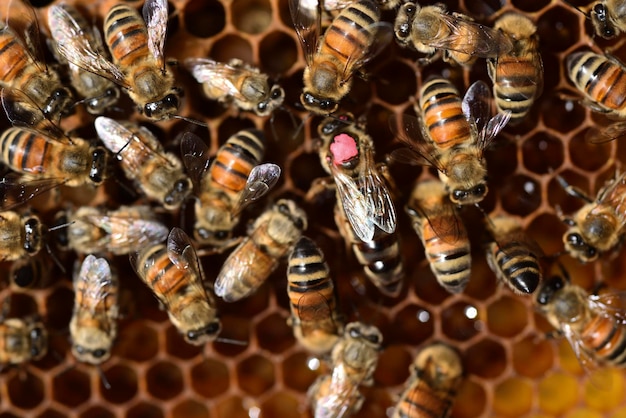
{"x":271,"y":237}
{"x":443,"y":235}
{"x":601,"y":80}
{"x":512,"y":256}
{"x":608,"y":17}
{"x":39,"y":156}
{"x":174,"y":275}
{"x":314,"y":315}
{"x":93,"y":326}
{"x":20,"y":236}
{"x":431,"y":389}
{"x":22,"y":340}
{"x":517,"y":76}
{"x":32,"y":272}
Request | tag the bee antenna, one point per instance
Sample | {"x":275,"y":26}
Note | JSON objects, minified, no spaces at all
{"x":231,"y":341}
{"x":54,"y":228}
{"x":301,"y":126}
{"x":190,"y":120}
{"x":586,"y":14}
{"x":103,"y":378}
{"x":55,"y":258}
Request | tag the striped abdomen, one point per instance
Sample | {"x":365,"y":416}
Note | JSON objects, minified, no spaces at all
{"x":28,"y":152}
{"x":605,"y":338}
{"x":345,"y":34}
{"x":422,"y":401}
{"x":235,"y":160}
{"x":126,"y":35}
{"x":600,"y":79}
{"x":442,"y":115}
{"x":516,"y":265}
{"x":16,"y":67}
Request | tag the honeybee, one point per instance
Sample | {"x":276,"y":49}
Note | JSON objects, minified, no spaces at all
{"x":592,"y":324}
{"x":93,"y":326}
{"x":436,"y":374}
{"x":452,"y":134}
{"x":443,"y":234}
{"x":236,"y":82}
{"x":22,"y":340}
{"x":608,"y":17}
{"x":137,"y":51}
{"x":174,"y":275}
{"x":271,"y":237}
{"x":314,"y":319}
{"x":234,"y":179}
{"x":517,"y":75}
{"x":20,"y":235}
{"x":67,"y":25}
{"x":121,"y":231}
{"x":354,"y":37}
{"x":364,"y":212}
{"x":158,"y":174}
{"x":598,"y":226}
{"x":354,"y":359}
{"x":513,"y":256}
{"x":455,"y":37}
{"x":72,"y":162}
{"x":31,"y":272}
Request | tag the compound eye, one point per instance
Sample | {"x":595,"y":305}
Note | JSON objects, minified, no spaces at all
{"x":283,"y":208}
{"x":479,"y":190}
{"x":171,"y":100}
{"x":308,"y":98}
{"x":575,"y":240}
{"x":410,"y":10}
{"x":192,"y":335}
{"x":181,"y":185}
{"x":80,"y":349}
{"x":354,"y":333}
{"x":99,"y":353}
{"x":213,"y":328}
{"x":458,"y":194}
{"x":221,"y":235}
{"x":600,"y":11}
{"x":591,"y":252}
{"x":111,"y":92}
{"x":373,"y":339}
{"x":277,"y":93}
{"x":261,"y":106}
{"x":203,"y":233}
{"x":326,"y":104}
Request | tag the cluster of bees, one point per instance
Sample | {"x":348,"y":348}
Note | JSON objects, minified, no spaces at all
{"x":450,"y":133}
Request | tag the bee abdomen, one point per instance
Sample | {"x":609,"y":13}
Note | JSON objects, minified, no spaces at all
{"x":24,"y":151}
{"x":601,"y":79}
{"x":382,"y":262}
{"x":442,"y":113}
{"x":362,"y":15}
{"x":126,"y":35}
{"x":423,"y":402}
{"x":519,"y":267}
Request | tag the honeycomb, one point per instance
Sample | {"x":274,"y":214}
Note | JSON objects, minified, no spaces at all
{"x":511,"y":369}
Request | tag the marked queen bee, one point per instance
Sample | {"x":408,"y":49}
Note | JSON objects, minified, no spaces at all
{"x":354,"y":359}
{"x":236,"y":82}
{"x":136,"y":47}
{"x":354,"y":37}
{"x":452,"y":134}
{"x":435,"y":31}
{"x":93,"y":326}
{"x":315,"y":319}
{"x":159,"y":174}
{"x":174,"y":275}
{"x":68,"y":25}
{"x":225,"y":186}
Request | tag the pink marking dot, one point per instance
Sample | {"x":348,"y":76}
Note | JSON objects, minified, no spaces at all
{"x":343,"y":148}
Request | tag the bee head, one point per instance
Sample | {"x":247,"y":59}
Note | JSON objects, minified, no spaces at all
{"x":99,"y":104}
{"x":578,"y":248}
{"x":317,"y":105}
{"x":601,"y":22}
{"x":58,"y":103}
{"x":402,"y":25}
{"x":204,"y":335}
{"x":178,"y":193}
{"x":99,"y":160}
{"x":38,"y":341}
{"x":163,"y":108}
{"x":275,"y":99}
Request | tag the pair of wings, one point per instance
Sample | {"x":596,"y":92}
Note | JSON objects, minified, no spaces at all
{"x":423,"y":151}
{"x":96,"y":283}
{"x":261,"y":179}
{"x":341,"y":395}
{"x":75,"y":45}
{"x":306,"y":19}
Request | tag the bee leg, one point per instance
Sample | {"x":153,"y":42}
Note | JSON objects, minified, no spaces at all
{"x":573,"y":191}
{"x":318,"y":187}
{"x":423,"y":62}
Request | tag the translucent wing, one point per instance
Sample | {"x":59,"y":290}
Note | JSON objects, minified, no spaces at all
{"x":476,"y":106}
{"x":126,"y":234}
{"x":447,"y":225}
{"x":261,"y":180}
{"x":155,"y":14}
{"x":181,"y":252}
{"x":76,"y":46}
{"x":307,"y":22}
{"x":360,"y":56}
{"x":355,"y":206}
{"x":23,"y":112}
{"x":195,"y":155}
{"x":422,"y":151}
{"x":610,"y":305}
{"x":315,"y":314}
{"x":219,"y":76}
{"x":97,"y":282}
{"x":24,"y":20}
{"x":587,"y":361}
{"x":342,"y":393}
{"x":15,"y":192}
{"x":378,"y":199}
{"x":604,"y":134}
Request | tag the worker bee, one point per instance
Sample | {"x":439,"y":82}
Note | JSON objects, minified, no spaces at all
{"x":512,"y":256}
{"x":598,"y":226}
{"x":174,"y":275}
{"x":271,"y":237}
{"x":93,"y":326}
{"x":121,"y":231}
{"x":67,"y":25}
{"x":364,"y":212}
{"x":234,"y":179}
{"x":158,"y":174}
{"x":22,"y":340}
{"x":443,"y":234}
{"x":72,"y":162}
{"x":436,"y":374}
{"x":354,"y":359}
{"x":137,"y":50}
{"x":608,"y":17}
{"x":452,"y":134}
{"x":238,"y":83}
{"x":314,"y":319}
{"x":455,"y":37}
{"x":517,"y":75}
{"x":20,"y":235}
{"x":592,"y":324}
{"x":354,"y":37}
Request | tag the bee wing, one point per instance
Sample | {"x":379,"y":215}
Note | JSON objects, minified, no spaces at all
{"x":155,"y":14}
{"x":181,"y":252}
{"x":23,"y":112}
{"x":95,"y":273}
{"x":355,"y":206}
{"x":587,"y":361}
{"x":313,"y":309}
{"x":611,"y":305}
{"x":75,"y":45}
{"x":604,"y":134}
{"x":128,"y":233}
{"x":306,"y":18}
{"x":447,"y":225}
{"x":14,"y":192}
{"x":476,"y":39}
{"x":218,"y":75}
{"x":261,"y":180}
{"x":377,"y":196}
{"x":360,"y":56}
{"x":421,"y":150}
{"x":24,"y":20}
{"x":476,"y":106}
{"x":195,"y":155}
{"x":342,"y":393}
